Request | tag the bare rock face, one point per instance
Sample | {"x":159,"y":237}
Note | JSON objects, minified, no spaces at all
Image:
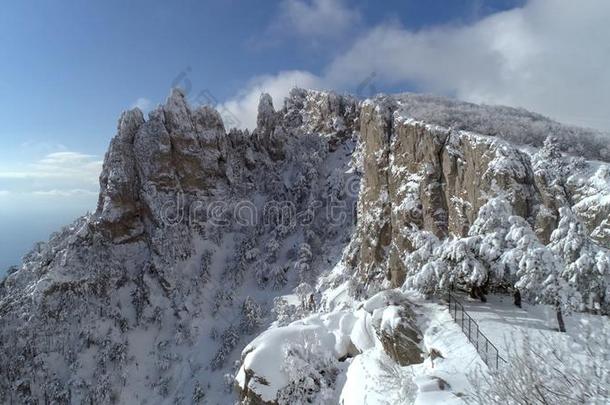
{"x":374,"y":204}
{"x":436,"y":179}
{"x":175,"y":151}
{"x":475,"y":168}
{"x":402,"y":343}
{"x":401,"y":340}
{"x":118,"y":204}
{"x":431,"y":178}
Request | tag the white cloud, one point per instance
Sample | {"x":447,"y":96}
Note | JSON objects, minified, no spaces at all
{"x":43,"y":146}
{"x":548,"y":56}
{"x":59,"y":165}
{"x":142,"y":103}
{"x":315,"y":19}
{"x":64,"y":193}
{"x":244,"y":106}
{"x":51,"y":193}
{"x":60,"y":171}
{"x":66,"y":159}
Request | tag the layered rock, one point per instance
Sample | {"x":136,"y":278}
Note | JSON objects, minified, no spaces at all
{"x":436,"y":179}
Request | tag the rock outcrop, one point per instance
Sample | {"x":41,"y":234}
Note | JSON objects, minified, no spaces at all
{"x":196,"y":231}
{"x":401,"y":337}
{"x":436,"y":179}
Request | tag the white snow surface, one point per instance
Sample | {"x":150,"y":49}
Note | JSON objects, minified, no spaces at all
{"x":372,"y":377}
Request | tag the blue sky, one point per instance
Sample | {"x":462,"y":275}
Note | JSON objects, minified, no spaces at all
{"x":69,"y":68}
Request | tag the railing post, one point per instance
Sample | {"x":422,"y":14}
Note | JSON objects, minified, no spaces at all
{"x":486,"y":351}
{"x":477,"y":338}
{"x":462,"y":317}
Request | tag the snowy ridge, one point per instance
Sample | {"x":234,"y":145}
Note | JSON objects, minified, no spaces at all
{"x":516,"y":125}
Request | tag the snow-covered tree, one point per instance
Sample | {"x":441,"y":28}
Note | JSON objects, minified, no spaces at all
{"x":473,"y":261}
{"x":586,"y":264}
{"x":424,"y":269}
{"x":278,"y":277}
{"x":204,"y":266}
{"x":540,"y":278}
{"x":198,"y":394}
{"x":262,"y":272}
{"x":228,"y":341}
{"x":303,"y":264}
{"x":305,"y":293}
{"x":463,"y":264}
{"x":519,"y":239}
{"x":440,"y":265}
{"x":252,"y":315}
{"x":492,"y":225}
{"x":283,"y":311}
{"x":272,"y":247}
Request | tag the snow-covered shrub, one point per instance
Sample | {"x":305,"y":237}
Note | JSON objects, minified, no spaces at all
{"x":283,"y":311}
{"x":312,"y":371}
{"x":544,"y":371}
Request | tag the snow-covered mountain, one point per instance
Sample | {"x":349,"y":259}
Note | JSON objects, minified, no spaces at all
{"x":316,"y":231}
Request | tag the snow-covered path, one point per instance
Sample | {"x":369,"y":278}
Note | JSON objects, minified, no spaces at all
{"x":504,"y":323}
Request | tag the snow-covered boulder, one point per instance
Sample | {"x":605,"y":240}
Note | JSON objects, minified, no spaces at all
{"x":400,"y":336}
{"x":322,"y":343}
{"x":395,"y":325}
{"x":266,"y":362}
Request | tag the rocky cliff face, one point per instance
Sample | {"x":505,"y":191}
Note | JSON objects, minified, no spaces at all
{"x":432,"y":178}
{"x":203,"y":237}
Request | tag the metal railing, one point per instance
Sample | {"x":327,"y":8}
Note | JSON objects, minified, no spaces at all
{"x":486,"y":349}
